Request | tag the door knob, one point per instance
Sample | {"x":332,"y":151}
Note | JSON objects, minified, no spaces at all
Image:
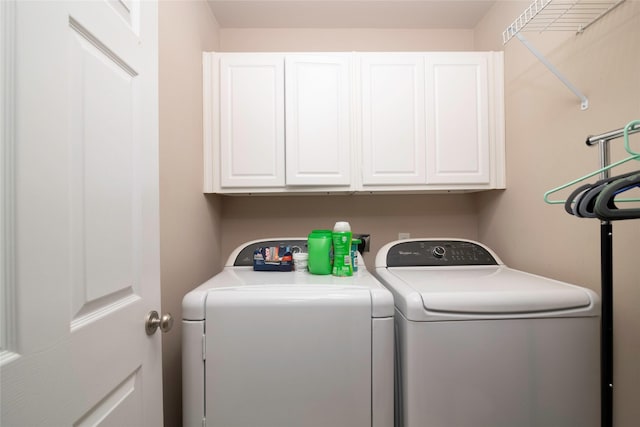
{"x":153,"y":321}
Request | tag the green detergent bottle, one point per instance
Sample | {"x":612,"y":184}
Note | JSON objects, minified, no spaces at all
{"x":319,"y":246}
{"x":342,"y":249}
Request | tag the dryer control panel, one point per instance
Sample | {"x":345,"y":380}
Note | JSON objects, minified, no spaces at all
{"x":433,"y":253}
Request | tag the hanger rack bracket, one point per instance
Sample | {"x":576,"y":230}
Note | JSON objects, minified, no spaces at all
{"x":558,"y":15}
{"x":584,"y":101}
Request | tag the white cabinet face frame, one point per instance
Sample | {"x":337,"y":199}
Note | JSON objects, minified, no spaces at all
{"x":317,"y":115}
{"x":252,"y":121}
{"x":393,"y":119}
{"x":458,"y":150}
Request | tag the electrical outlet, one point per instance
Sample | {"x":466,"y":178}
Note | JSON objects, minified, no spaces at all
{"x":402,"y":236}
{"x":365,"y":242}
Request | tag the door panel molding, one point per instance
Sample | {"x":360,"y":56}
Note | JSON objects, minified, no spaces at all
{"x":106,"y":412}
{"x":94,"y":310}
{"x":103,"y":230}
{"x":7,"y":182}
{"x":129,"y":10}
{"x":86,"y":34}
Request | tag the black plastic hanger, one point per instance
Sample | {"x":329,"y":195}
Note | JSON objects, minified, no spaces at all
{"x":575,"y":194}
{"x":605,"y":207}
{"x":582,"y":200}
{"x":587,"y":202}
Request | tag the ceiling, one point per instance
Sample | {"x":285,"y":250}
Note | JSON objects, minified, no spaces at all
{"x":454,"y":14}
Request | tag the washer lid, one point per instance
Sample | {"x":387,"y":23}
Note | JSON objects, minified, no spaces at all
{"x":483,"y":291}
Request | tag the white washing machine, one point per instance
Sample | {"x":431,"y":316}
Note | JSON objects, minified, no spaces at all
{"x":287,"y":349}
{"x":483,"y":345}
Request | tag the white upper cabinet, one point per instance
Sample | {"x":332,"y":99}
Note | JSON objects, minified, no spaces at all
{"x":350,"y":122}
{"x":393,"y":119}
{"x":318,"y":128}
{"x":432,"y":121}
{"x":458,"y":116}
{"x":252,"y":136}
{"x":277,"y":122}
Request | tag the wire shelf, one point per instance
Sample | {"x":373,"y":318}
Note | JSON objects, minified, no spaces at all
{"x":559,"y":15}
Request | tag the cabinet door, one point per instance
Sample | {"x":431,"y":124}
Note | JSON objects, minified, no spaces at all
{"x":458,"y":118}
{"x":251,"y":121}
{"x":318,"y":148}
{"x":393,"y":119}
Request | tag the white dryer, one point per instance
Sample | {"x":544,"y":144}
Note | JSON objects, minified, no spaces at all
{"x":483,"y":345}
{"x":287,"y":349}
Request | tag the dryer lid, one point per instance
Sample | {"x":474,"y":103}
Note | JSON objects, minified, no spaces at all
{"x":489,"y":290}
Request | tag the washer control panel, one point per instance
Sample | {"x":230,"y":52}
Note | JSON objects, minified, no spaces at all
{"x":433,"y":253}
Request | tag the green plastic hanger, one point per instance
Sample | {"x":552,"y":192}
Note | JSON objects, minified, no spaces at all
{"x":631,"y":125}
{"x":574,"y":182}
{"x":634,"y":156}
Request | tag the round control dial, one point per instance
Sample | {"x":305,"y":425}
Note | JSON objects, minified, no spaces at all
{"x":439,"y":252}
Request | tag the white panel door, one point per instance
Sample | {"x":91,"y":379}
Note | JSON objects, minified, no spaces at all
{"x":80,"y":246}
{"x":318,"y":142}
{"x":251,"y":120}
{"x":458,"y":118}
{"x":393,"y":119}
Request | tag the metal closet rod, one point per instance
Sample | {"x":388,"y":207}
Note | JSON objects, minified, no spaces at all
{"x":593,"y":140}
